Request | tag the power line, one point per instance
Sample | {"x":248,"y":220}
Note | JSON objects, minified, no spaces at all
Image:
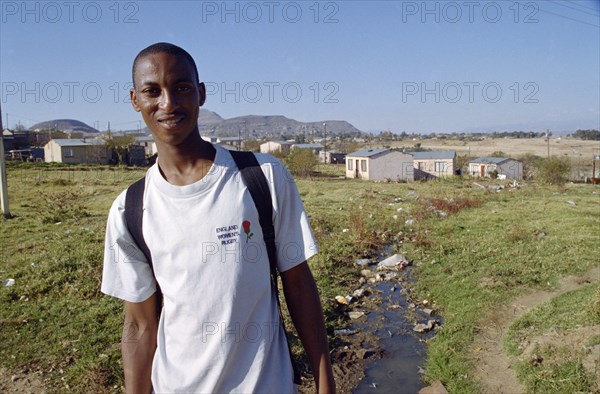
{"x":573,"y":19}
{"x":580,"y":5}
{"x":573,"y":8}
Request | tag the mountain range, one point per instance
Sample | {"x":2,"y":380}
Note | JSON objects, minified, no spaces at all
{"x":211,"y":123}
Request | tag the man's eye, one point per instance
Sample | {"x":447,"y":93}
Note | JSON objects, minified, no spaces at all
{"x":151,"y":91}
{"x":184,"y":88}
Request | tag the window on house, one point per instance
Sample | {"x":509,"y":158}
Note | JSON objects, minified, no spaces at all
{"x":350,"y":165}
{"x":69,"y":153}
{"x":363,"y":165}
{"x":440,"y":166}
{"x":421,"y":165}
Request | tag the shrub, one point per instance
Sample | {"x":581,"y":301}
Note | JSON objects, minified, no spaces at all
{"x":553,"y":170}
{"x":301,"y":162}
{"x":529,"y":161}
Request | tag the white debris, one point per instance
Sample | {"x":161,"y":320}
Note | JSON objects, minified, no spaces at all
{"x":356,"y":314}
{"x":8,"y":282}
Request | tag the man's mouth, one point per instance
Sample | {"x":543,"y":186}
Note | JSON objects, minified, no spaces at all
{"x":171,"y":121}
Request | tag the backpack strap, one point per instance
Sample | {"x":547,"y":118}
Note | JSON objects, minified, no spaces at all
{"x":256,"y":182}
{"x":134,"y":213}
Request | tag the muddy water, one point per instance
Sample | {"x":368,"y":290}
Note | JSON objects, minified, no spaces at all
{"x":398,"y":371}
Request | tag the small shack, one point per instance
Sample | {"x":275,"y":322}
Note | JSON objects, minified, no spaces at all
{"x":496,"y":167}
{"x":76,"y":151}
{"x":434,"y":164}
{"x":275,"y":146}
{"x":380,"y":164}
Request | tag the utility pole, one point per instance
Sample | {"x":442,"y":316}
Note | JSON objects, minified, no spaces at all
{"x":324,"y":142}
{"x":3,"y":181}
{"x":548,"y":140}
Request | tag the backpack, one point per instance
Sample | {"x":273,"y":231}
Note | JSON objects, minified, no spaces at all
{"x":256,"y":182}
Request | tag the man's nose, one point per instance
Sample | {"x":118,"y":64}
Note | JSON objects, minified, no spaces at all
{"x":168,"y":100}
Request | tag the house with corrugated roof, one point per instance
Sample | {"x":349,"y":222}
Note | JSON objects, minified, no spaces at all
{"x":433,"y":164}
{"x":380,"y":164}
{"x":501,"y":167}
{"x":274,"y":146}
{"x":76,"y":151}
{"x":316,"y":148}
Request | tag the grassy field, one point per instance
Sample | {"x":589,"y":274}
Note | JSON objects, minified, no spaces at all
{"x":486,"y":250}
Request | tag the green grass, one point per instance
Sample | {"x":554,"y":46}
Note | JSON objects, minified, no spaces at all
{"x":562,"y":369}
{"x":484,"y":252}
{"x":481,"y":258}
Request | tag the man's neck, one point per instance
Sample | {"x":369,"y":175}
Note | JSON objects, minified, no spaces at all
{"x":187,"y":162}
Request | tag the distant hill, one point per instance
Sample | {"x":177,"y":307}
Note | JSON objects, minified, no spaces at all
{"x":67,"y":125}
{"x":207,"y":117}
{"x":267,"y":126}
{"x":264,"y":126}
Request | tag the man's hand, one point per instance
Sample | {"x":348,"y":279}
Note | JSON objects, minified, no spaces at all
{"x":138,"y":344}
{"x":302,"y":299}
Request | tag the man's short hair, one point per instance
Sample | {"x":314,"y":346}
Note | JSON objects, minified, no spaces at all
{"x":163,"y":47}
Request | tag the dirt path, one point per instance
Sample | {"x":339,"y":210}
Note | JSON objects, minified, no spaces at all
{"x":24,"y":383}
{"x":493,"y":368}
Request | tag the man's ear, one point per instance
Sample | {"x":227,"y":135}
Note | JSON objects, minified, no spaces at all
{"x":202,"y":91}
{"x":133,"y":98}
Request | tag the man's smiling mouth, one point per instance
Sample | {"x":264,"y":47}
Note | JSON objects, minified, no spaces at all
{"x":171,"y":121}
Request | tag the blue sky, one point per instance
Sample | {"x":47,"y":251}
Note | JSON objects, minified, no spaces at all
{"x":415,"y":66}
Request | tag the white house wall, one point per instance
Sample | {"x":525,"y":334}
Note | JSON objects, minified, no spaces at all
{"x":395,"y":166}
{"x":428,"y":166}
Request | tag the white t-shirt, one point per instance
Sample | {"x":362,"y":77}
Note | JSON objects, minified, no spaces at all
{"x":219,"y":330}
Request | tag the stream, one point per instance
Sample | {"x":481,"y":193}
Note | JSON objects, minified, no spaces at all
{"x":392,"y":320}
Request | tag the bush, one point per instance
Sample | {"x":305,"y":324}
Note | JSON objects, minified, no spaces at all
{"x":553,"y":170}
{"x":529,"y":161}
{"x":301,"y":162}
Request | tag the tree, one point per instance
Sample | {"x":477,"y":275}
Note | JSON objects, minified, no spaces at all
{"x":252,"y":145}
{"x":587,"y":134}
{"x":553,"y":170}
{"x":301,"y":162}
{"x":119,"y":145}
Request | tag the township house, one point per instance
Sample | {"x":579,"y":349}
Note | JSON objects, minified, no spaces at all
{"x":380,"y":164}
{"x":505,"y":167}
{"x":76,"y":151}
{"x":274,"y":146}
{"x":434,"y":164}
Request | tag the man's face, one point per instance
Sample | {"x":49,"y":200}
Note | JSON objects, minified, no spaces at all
{"x":168,"y":96}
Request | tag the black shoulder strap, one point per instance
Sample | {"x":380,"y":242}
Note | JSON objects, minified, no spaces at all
{"x":256,"y":182}
{"x":134,"y":214}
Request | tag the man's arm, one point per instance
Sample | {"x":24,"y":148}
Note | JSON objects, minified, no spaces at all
{"x":138,"y":344}
{"x":303,"y":302}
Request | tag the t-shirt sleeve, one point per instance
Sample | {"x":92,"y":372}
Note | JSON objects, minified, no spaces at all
{"x":293,"y":235}
{"x":126,"y":273}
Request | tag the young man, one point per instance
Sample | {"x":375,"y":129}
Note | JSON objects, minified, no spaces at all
{"x":219,"y":329}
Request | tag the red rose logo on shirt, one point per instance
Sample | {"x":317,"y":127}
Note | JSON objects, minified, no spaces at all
{"x":246,"y":226}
